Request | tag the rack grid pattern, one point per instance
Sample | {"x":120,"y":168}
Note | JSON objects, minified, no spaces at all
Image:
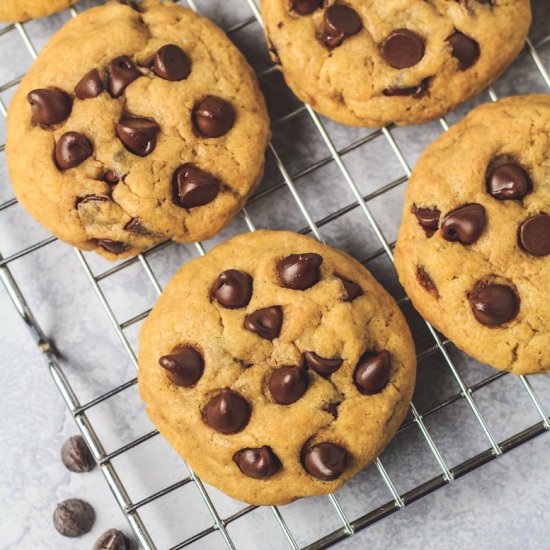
{"x":416,"y":418}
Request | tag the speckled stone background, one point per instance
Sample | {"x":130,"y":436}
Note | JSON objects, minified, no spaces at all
{"x":501,"y":505}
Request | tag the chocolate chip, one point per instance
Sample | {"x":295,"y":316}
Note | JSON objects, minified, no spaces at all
{"x":139,"y":135}
{"x":73,"y":517}
{"x":136,"y":227}
{"x":170,"y":63}
{"x":115,"y":247}
{"x":373,"y":372}
{"x":403,"y":48}
{"x":299,"y":271}
{"x":305,"y":7}
{"x":464,"y":49}
{"x":193,"y":187}
{"x":340,"y":22}
{"x":266,"y":322}
{"x":325,"y":461}
{"x":184,"y":366}
{"x":464,"y":224}
{"x":228,"y":412}
{"x":90,"y":86}
{"x":214,"y":117}
{"x":258,"y":463}
{"x":425,"y":281}
{"x":111,"y":177}
{"x":332,"y":408}
{"x":416,"y":92}
{"x":322,"y":365}
{"x":494,"y":304}
{"x":92,"y":198}
{"x":353,"y":290}
{"x":232,"y":289}
{"x":508,"y":181}
{"x":49,"y":107}
{"x":428,"y":218}
{"x":534,"y":235}
{"x":71,"y":150}
{"x":287,"y":384}
{"x":76,"y":455}
{"x":113,"y":539}
{"x":121,"y":72}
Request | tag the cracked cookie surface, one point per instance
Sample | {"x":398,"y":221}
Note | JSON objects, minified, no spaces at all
{"x":276,"y":366}
{"x":473,"y":250}
{"x":21,"y":10}
{"x":370,"y":63}
{"x":135,"y":127}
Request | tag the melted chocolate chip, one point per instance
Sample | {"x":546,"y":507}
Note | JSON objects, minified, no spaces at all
{"x":373,"y":372}
{"x":214,"y":117}
{"x":228,"y":412}
{"x":49,"y":107}
{"x":299,"y":271}
{"x":266,"y":322}
{"x":464,"y":224}
{"x":115,"y":247}
{"x":76,"y":455}
{"x":92,"y":198}
{"x":403,"y":48}
{"x":193,"y":187}
{"x":288,"y":384}
{"x":184,"y":366}
{"x":305,"y":7}
{"x":494,"y":304}
{"x":139,"y":135}
{"x":322,"y":365}
{"x":464,"y":49}
{"x":353,"y":290}
{"x":258,"y":463}
{"x":121,"y":72}
{"x":508,"y":181}
{"x":425,"y":281}
{"x":340,"y":22}
{"x":71,"y":150}
{"x":534,"y":235}
{"x":136,"y":227}
{"x":112,"y":539}
{"x":170,"y":63}
{"x":90,"y":86}
{"x":232,"y":289}
{"x":325,"y":461}
{"x":416,"y":92}
{"x":428,"y":218}
{"x":73,"y":517}
{"x":111,"y":177}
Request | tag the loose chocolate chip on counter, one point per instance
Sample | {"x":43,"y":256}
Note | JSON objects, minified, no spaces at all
{"x":170,"y":63}
{"x":287,"y":384}
{"x":464,"y":224}
{"x":76,"y":455}
{"x":228,"y":412}
{"x":49,"y":107}
{"x":305,"y":7}
{"x":113,"y":539}
{"x":184,"y":366}
{"x":90,"y":86}
{"x":428,"y":218}
{"x":508,"y":181}
{"x":111,"y":177}
{"x":353,"y":290}
{"x":266,"y":322}
{"x":73,"y":517}
{"x":373,"y":372}
{"x":193,"y":187}
{"x":325,"y":461}
{"x":340,"y":22}
{"x":322,"y":365}
{"x":71,"y":150}
{"x":494,"y":304}
{"x":403,"y":48}
{"x":299,"y":271}
{"x":534,"y":235}
{"x":464,"y":49}
{"x":139,"y":135}
{"x":425,"y":281}
{"x":416,"y":92}
{"x":258,"y":463}
{"x":136,"y":227}
{"x":213,"y":117}
{"x":232,"y":289}
{"x":115,"y":247}
{"x":121,"y":72}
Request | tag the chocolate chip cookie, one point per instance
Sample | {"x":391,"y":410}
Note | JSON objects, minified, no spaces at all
{"x":21,"y":10}
{"x":134,"y":127}
{"x":276,"y":366}
{"x":473,"y":251}
{"x":403,"y":61}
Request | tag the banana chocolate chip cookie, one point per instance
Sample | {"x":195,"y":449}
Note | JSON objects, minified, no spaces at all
{"x":276,"y":366}
{"x":369,"y":63}
{"x":134,"y":127}
{"x":21,"y":10}
{"x":473,"y":251}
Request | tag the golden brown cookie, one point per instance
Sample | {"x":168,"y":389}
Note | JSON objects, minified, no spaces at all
{"x":372,"y":62}
{"x":473,"y":251}
{"x":276,"y":366}
{"x":134,"y":127}
{"x":21,"y":10}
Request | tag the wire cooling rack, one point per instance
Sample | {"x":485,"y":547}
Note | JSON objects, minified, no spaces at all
{"x":452,"y":424}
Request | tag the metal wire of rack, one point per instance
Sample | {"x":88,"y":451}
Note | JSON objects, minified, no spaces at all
{"x":439,"y":347}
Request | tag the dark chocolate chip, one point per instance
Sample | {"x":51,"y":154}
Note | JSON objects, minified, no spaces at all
{"x":113,"y":539}
{"x":340,"y":22}
{"x":353,"y":290}
{"x":287,"y":384}
{"x":494,"y":304}
{"x":425,"y":281}
{"x":193,"y":187}
{"x":73,"y":517}
{"x":184,"y":366}
{"x":111,"y":177}
{"x":464,"y":49}
{"x":305,"y":7}
{"x":90,"y":86}
{"x":92,"y":198}
{"x":416,"y":92}
{"x":464,"y":224}
{"x":121,"y":72}
{"x":373,"y":372}
{"x":76,"y":455}
{"x":136,"y":227}
{"x":508,"y":181}
{"x":534,"y":235}
{"x":403,"y":48}
{"x":228,"y":412}
{"x":170,"y":63}
{"x":322,"y":365}
{"x":299,"y":271}
{"x":139,"y":135}
{"x":71,"y":150}
{"x":258,"y":463}
{"x":232,"y":289}
{"x":214,"y":117}
{"x":49,"y":107}
{"x":428,"y":218}
{"x":266,"y":322}
{"x":115,"y":247}
{"x":325,"y":461}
